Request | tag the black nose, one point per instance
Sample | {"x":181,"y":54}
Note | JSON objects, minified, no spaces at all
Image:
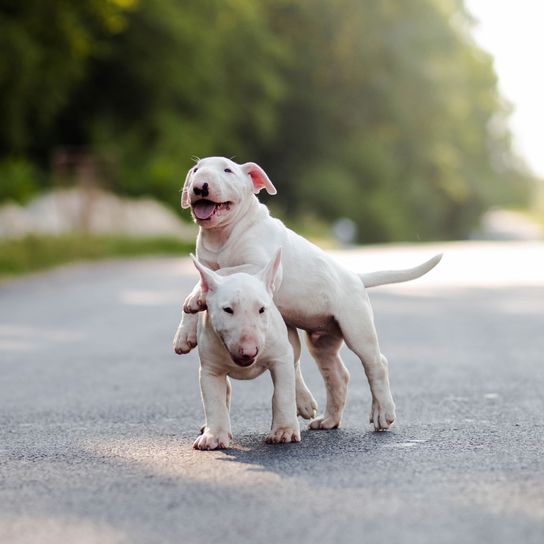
{"x":201,"y":191}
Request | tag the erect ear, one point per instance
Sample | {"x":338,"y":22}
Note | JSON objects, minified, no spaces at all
{"x":269,"y":274}
{"x":209,"y":280}
{"x":185,"y":198}
{"x":259,"y":178}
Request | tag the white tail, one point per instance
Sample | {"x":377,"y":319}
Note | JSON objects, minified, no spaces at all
{"x":383,"y":277}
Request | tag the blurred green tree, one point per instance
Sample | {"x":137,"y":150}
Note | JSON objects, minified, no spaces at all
{"x":384,"y":112}
{"x":45,"y":49}
{"x":393,"y":118}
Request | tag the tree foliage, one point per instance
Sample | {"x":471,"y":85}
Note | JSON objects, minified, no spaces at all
{"x":385,"y":112}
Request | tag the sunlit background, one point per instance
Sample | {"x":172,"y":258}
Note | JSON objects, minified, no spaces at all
{"x":511,"y":30}
{"x":377,"y":121}
{"x":393,"y":130}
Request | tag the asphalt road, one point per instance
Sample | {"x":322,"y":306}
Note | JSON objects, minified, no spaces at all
{"x":97,"y":415}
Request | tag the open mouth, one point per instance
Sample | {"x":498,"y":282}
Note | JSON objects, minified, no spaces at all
{"x":205,"y":209}
{"x":243,"y":361}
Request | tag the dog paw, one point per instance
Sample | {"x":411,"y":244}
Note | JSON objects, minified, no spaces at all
{"x":325,"y":422}
{"x":193,"y":304}
{"x":209,"y":440}
{"x":184,"y":340}
{"x":382,"y":414}
{"x":306,"y":404}
{"x":283,"y":435}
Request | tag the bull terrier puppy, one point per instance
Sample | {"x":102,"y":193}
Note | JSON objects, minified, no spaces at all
{"x":242,"y":334}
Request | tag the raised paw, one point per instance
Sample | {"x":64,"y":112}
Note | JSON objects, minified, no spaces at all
{"x":324,"y":422}
{"x":209,"y":440}
{"x":283,"y":435}
{"x":184,"y":340}
{"x":382,"y":415}
{"x":194,"y":304}
{"x":306,"y":404}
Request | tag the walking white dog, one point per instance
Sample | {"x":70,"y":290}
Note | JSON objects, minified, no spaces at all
{"x":241,"y":335}
{"x":313,"y":293}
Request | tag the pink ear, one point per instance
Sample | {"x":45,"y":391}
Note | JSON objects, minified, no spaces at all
{"x":185,"y":199}
{"x":269,"y":274}
{"x":259,"y":178}
{"x":209,"y":280}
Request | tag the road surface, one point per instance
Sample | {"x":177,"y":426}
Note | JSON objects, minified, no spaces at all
{"x":97,"y":415}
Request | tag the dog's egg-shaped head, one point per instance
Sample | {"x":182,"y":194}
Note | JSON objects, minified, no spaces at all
{"x":238,"y":307}
{"x":216,"y":188}
{"x":239,"y":315}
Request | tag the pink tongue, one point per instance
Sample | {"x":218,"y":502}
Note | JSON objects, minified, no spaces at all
{"x":203,"y":209}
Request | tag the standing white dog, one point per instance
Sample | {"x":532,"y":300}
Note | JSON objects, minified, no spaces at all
{"x":241,"y":335}
{"x":315,"y":293}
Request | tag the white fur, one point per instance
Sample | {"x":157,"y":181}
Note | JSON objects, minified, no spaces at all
{"x":241,"y":335}
{"x":314,"y":292}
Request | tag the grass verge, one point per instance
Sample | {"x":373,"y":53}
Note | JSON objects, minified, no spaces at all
{"x":34,"y":253}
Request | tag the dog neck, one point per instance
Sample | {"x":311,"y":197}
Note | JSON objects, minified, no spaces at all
{"x":215,"y":238}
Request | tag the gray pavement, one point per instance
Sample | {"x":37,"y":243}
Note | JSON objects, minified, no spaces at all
{"x":97,"y":417}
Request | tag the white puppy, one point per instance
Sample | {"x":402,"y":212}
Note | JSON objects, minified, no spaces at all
{"x":315,"y":293}
{"x":241,"y":335}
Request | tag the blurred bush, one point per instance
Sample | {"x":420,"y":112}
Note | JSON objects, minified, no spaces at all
{"x":383,"y":112}
{"x":33,"y":253}
{"x":18,"y":180}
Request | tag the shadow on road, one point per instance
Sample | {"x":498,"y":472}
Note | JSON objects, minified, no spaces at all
{"x":317,"y":451}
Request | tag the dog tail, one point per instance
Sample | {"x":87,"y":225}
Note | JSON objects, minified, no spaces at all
{"x":383,"y":277}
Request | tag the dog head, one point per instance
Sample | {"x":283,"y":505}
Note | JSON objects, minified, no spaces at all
{"x":216,"y":188}
{"x":238,"y":308}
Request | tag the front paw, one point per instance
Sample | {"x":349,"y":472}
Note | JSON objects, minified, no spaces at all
{"x":283,"y":435}
{"x":184,"y":340}
{"x":194,"y":304}
{"x":209,"y":440}
{"x":382,"y":414}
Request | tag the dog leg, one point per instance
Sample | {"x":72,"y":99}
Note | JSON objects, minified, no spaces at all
{"x":185,"y":338}
{"x":306,"y":404}
{"x":229,"y":391}
{"x":361,"y":337}
{"x":285,"y":426}
{"x":194,"y":302}
{"x":215,"y":397}
{"x":324,"y":349}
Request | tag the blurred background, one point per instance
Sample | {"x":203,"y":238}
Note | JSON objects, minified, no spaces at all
{"x":377,"y":121}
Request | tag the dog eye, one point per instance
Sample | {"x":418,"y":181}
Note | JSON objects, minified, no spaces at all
{"x":228,"y":170}
{"x":228,"y":310}
{"x":261,"y":311}
{"x":195,"y":170}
